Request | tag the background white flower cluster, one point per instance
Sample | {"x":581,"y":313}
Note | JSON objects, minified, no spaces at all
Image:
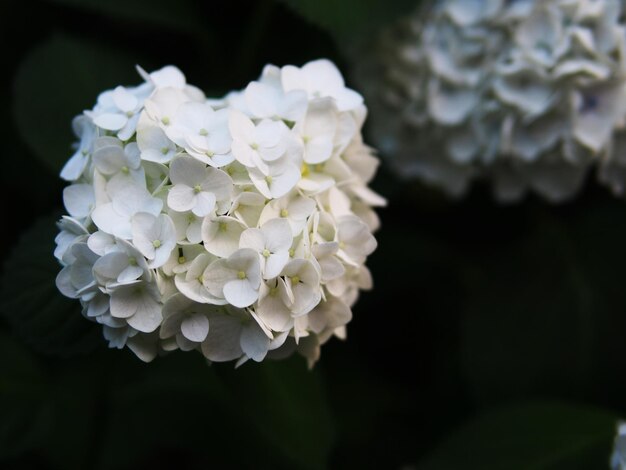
{"x":238,"y":226}
{"x":618,"y":458}
{"x":528,"y":93}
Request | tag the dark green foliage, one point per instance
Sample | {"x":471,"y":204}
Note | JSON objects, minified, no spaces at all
{"x":529,"y":436}
{"x":494,"y":337}
{"x":31,"y":303}
{"x":56,"y":81}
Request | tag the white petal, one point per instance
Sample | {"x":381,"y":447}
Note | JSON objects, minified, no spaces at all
{"x":275,"y":264}
{"x":109,"y":159}
{"x":332,"y":268}
{"x":194,"y":231}
{"x":125,"y":101}
{"x":181,"y":198}
{"x":162,"y":254}
{"x":144,"y":223}
{"x":109,"y":221}
{"x":593,"y":124}
{"x":260,"y":181}
{"x":301,"y":207}
{"x":148,"y":317}
{"x":330,"y":314}
{"x":253,"y":238}
{"x":109,"y":267}
{"x":240,"y":293}
{"x":221,"y":235}
{"x":268,"y":134}
{"x":324,"y":75}
{"x":132,"y":155}
{"x":79,"y":200}
{"x":195,"y":327}
{"x":274,"y":313}
{"x":144,"y":346}
{"x":241,"y":127}
{"x":124,"y":302}
{"x":223,"y":340}
{"x":101,"y":242}
{"x":292,"y":78}
{"x":187,"y":170}
{"x":369,"y":197}
{"x":73,"y":169}
{"x":216,"y":275}
{"x":262,"y":99}
{"x":154,"y":144}
{"x":450,"y":106}
{"x":99,"y":305}
{"x":466,"y":12}
{"x":116,"y":336}
{"x":294,"y":105}
{"x":129,"y":129}
{"x":277,"y":232}
{"x":305,"y":298}
{"x":243,"y":153}
{"x":204,"y":203}
{"x":64,"y":283}
{"x":194,"y":290}
{"x":172,"y":315}
{"x":247,"y":260}
{"x":318,"y":149}
{"x":321,"y":119}
{"x":129,"y":198}
{"x":110,"y":121}
{"x":596,"y":70}
{"x":219,"y":183}
{"x":254,"y":343}
{"x":284,"y":181}
{"x":168,"y":76}
{"x":529,"y":93}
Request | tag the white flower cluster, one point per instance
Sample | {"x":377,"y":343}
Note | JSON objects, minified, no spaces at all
{"x":618,"y":458}
{"x":529,"y":94}
{"x":238,"y":227}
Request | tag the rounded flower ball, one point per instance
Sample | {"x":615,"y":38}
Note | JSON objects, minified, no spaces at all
{"x":238,"y":227}
{"x":529,"y":94}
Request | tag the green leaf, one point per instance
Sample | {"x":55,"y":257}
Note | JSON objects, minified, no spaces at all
{"x":172,"y":404}
{"x":58,"y":80}
{"x":286,"y":404}
{"x":31,"y":303}
{"x":75,"y":400}
{"x":350,"y":17}
{"x":529,"y":317}
{"x":23,"y":389}
{"x":47,"y":409}
{"x":531,"y":436}
{"x":179,"y":406}
{"x":544,"y":310}
{"x":184,"y":15}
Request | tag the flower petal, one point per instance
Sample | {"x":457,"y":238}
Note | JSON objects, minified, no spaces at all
{"x":240,"y":293}
{"x":195,"y":327}
{"x":110,"y":121}
{"x":223,"y":340}
{"x":254,"y":343}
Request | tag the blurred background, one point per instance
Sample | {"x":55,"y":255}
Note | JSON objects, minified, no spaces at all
{"x":493,"y":339}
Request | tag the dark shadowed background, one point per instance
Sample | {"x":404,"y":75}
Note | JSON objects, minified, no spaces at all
{"x":494,"y":337}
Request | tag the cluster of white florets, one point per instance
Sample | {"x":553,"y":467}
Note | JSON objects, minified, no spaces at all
{"x":527,"y":93}
{"x":238,"y":227}
{"x":618,"y":457}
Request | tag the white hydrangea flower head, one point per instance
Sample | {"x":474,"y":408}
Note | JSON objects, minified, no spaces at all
{"x":238,"y":227}
{"x":618,"y":458}
{"x":529,"y":94}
